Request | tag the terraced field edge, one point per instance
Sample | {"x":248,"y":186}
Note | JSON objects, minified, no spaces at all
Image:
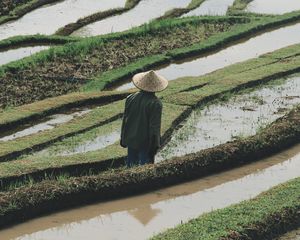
{"x":263,"y":218}
{"x":32,"y":200}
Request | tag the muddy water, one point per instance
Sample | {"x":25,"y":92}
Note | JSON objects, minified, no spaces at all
{"x":242,"y":116}
{"x":259,"y":45}
{"x":50,"y":18}
{"x":51,"y":122}
{"x":273,"y":6}
{"x":293,"y":235}
{"x":16,"y":54}
{"x":145,"y":11}
{"x":211,"y":7}
{"x":142,"y":216}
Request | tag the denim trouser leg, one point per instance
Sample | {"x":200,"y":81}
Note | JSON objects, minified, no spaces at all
{"x":136,"y":157}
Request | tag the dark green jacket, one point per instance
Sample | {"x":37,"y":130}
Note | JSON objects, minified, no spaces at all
{"x":142,"y":122}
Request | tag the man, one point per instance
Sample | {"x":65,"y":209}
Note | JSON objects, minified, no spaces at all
{"x":141,"y":124}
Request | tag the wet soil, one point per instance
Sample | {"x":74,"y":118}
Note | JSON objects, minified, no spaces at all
{"x":241,"y":116}
{"x":273,"y":7}
{"x":259,"y":45}
{"x":211,"y":7}
{"x":58,"y":14}
{"x":144,"y":12}
{"x":66,"y":74}
{"x":142,"y":216}
{"x":19,"y":53}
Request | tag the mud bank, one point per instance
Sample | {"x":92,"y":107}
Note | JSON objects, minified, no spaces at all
{"x":59,"y":14}
{"x":239,"y":52}
{"x":293,"y":235}
{"x":142,"y":216}
{"x":118,"y":183}
{"x":145,"y":11}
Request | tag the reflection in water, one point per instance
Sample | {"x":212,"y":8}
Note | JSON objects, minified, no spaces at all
{"x":211,"y":7}
{"x":145,"y":11}
{"x":58,"y":14}
{"x":16,"y":54}
{"x":259,"y":45}
{"x":142,"y":216}
{"x":242,"y":116}
{"x":273,"y":6}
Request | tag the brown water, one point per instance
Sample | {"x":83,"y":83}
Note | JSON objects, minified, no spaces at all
{"x":293,"y":235}
{"x":48,"y":19}
{"x":241,"y":116}
{"x":16,"y":54}
{"x":140,"y":217}
{"x":273,"y":6}
{"x":51,"y":122}
{"x":145,"y":11}
{"x":211,"y":7}
{"x":259,"y":45}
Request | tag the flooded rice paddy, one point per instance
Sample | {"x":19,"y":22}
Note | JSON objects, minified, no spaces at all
{"x":140,"y":217}
{"x":92,"y":140}
{"x":211,"y":7}
{"x":239,"y":52}
{"x":241,"y":116}
{"x":273,"y":6}
{"x":50,"y":123}
{"x":19,"y":53}
{"x":48,"y":19}
{"x":144,"y":12}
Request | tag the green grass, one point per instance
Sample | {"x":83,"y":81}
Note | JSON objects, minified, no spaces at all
{"x":264,"y":216}
{"x":238,"y":6}
{"x":29,"y":164}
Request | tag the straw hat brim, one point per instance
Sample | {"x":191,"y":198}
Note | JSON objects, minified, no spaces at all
{"x":150,"y":81}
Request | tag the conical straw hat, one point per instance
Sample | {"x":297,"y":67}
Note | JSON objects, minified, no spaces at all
{"x":150,"y":81}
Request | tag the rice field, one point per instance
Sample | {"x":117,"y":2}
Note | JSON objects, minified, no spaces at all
{"x":228,"y":167}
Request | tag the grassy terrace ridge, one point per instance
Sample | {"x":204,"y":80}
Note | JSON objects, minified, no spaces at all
{"x":70,"y":28}
{"x":177,"y":12}
{"x":20,"y":41}
{"x":11,"y":117}
{"x":65,"y":69}
{"x":264,"y":217}
{"x":34,"y":199}
{"x":17,"y":9}
{"x":241,"y":75}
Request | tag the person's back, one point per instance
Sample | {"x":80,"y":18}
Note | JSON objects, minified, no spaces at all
{"x":141,"y":124}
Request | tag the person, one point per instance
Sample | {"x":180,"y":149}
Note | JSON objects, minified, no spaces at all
{"x":140,"y":132}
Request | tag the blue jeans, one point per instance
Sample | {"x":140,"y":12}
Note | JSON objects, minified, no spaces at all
{"x":136,"y":157}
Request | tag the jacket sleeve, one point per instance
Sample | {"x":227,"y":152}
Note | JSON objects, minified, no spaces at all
{"x":124,"y":124}
{"x":155,"y":126}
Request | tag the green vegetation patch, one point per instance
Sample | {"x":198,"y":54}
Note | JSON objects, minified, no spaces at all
{"x":64,"y":69}
{"x":97,"y":117}
{"x":44,"y":163}
{"x":33,"y":199}
{"x":238,"y":7}
{"x":261,"y":218}
{"x":270,"y":66}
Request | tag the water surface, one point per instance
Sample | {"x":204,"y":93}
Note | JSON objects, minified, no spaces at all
{"x":145,"y":11}
{"x":49,"y":18}
{"x":140,"y":217}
